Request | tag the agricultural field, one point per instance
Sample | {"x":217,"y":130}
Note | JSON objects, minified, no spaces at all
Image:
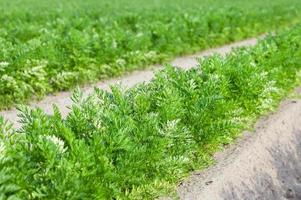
{"x":137,"y":143}
{"x":50,"y":46}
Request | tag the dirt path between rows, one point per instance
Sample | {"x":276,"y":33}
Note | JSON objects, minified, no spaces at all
{"x":63,"y":101}
{"x":265,"y":164}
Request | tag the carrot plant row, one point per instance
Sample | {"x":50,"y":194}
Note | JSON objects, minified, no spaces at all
{"x":137,"y":143}
{"x":52,"y":46}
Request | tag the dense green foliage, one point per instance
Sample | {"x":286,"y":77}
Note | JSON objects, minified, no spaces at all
{"x":135,"y":143}
{"x":48,"y":46}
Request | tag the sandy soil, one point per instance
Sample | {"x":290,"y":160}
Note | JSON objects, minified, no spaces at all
{"x":265,"y":164}
{"x":63,"y":101}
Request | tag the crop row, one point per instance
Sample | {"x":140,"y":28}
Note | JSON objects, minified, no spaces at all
{"x":137,"y":143}
{"x":52,"y":48}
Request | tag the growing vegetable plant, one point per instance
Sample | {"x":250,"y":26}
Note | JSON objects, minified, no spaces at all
{"x":138,"y":143}
{"x":52,"y":46}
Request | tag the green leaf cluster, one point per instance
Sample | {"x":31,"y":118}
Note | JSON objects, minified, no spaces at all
{"x":53,"y":46}
{"x":137,"y":143}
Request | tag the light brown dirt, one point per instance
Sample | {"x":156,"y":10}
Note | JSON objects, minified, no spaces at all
{"x":63,"y":101}
{"x":265,"y":164}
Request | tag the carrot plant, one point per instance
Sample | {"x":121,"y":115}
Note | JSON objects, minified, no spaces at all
{"x":137,"y":143}
{"x":47,"y":47}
